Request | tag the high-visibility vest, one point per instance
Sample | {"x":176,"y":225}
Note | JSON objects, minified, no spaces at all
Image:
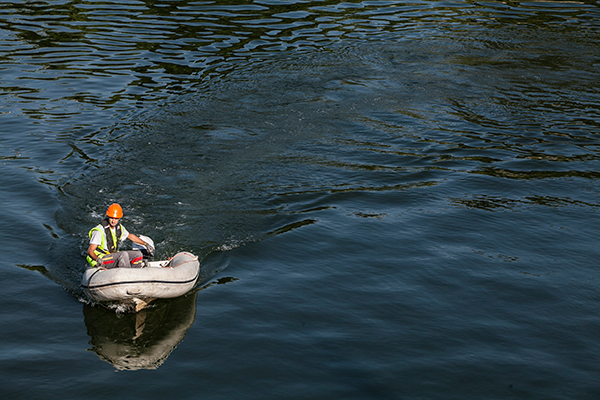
{"x":110,"y":240}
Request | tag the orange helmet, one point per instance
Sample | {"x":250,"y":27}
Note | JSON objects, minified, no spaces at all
{"x":114,"y":211}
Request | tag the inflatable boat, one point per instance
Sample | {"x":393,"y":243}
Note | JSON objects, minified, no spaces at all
{"x":139,"y":286}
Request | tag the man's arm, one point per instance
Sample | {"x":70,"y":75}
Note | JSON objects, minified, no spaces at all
{"x":91,"y":251}
{"x":136,"y":239}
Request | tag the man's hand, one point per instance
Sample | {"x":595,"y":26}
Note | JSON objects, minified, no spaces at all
{"x":150,"y":249}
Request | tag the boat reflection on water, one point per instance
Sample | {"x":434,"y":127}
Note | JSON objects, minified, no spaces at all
{"x":140,"y":340}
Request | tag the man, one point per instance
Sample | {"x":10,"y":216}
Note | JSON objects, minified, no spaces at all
{"x":105,"y":239}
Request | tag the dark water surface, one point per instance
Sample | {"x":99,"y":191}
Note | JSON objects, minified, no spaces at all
{"x":389,"y":199}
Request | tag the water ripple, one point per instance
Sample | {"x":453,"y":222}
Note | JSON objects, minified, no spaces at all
{"x":65,"y":60}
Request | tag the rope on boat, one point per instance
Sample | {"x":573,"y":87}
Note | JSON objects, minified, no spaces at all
{"x":194,"y":258}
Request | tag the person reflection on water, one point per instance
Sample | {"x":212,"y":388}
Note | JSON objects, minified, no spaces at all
{"x":105,"y":239}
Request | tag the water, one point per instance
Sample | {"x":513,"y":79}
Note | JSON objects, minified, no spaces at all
{"x":389,"y":199}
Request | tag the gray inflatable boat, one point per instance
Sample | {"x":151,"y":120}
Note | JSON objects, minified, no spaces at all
{"x":139,"y":286}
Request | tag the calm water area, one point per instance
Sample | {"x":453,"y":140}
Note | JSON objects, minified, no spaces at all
{"x":389,"y":199}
